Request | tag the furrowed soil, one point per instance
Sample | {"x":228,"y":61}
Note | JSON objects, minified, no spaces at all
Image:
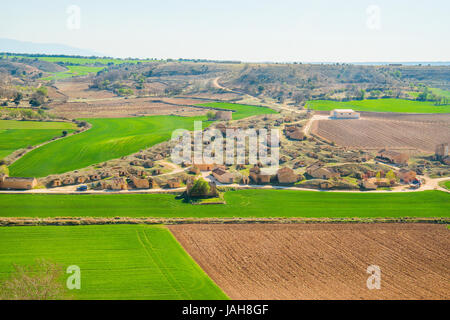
{"x":318,"y":261}
{"x":377,"y":133}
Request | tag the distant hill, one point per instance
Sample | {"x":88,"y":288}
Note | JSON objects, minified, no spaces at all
{"x":16,"y":46}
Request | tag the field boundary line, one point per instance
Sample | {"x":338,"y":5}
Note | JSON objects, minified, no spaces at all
{"x":78,"y":221}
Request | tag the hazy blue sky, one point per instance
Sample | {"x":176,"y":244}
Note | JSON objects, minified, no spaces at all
{"x":248,"y":30}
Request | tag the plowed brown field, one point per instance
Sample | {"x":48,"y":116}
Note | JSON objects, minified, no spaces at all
{"x":322,"y":261}
{"x":120,"y":107}
{"x":377,"y":133}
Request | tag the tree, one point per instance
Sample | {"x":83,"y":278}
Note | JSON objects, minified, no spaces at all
{"x":391,"y":176}
{"x":64,"y":133}
{"x":361,"y":94}
{"x":378,"y":176}
{"x":423,"y":96}
{"x":3,"y":168}
{"x":375,"y":93}
{"x":38,"y":97}
{"x":17,"y":98}
{"x":211,"y":115}
{"x":201,"y":187}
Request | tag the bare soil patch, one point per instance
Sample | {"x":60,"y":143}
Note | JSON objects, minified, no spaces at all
{"x":322,"y":261}
{"x":377,"y":133}
{"x":419,"y":117}
{"x":121,"y":107}
{"x":80,"y":90}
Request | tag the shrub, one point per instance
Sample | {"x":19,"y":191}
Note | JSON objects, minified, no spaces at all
{"x":210,"y":115}
{"x":3,"y":168}
{"x":201,"y":187}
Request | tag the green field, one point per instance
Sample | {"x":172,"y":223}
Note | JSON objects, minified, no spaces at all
{"x":107,"y":139}
{"x":116,"y":262}
{"x":445,"y":184}
{"x":74,"y":71}
{"x":440,"y":92}
{"x":436,"y":91}
{"x":16,"y":135}
{"x":241,"y":110}
{"x":83,"y":61}
{"x":242,"y":203}
{"x":380,"y":105}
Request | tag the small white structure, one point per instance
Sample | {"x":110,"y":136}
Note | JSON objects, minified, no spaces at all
{"x":344,"y":114}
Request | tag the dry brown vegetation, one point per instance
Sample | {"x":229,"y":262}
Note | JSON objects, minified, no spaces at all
{"x":322,"y":261}
{"x":41,"y":281}
{"x":382,"y":133}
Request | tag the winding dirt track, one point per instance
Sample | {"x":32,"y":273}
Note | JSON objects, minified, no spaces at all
{"x":322,"y":261}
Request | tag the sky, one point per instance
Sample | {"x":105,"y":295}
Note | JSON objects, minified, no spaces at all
{"x":244,"y":30}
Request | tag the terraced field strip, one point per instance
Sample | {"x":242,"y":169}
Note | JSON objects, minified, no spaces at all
{"x":380,"y":105}
{"x":242,"y":203}
{"x":16,"y":135}
{"x":116,"y":262}
{"x":317,"y":261}
{"x":107,"y":139}
{"x":83,"y":61}
{"x":241,"y":110}
{"x":74,"y":71}
{"x":377,"y":134}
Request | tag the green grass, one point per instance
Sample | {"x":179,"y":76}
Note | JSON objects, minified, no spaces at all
{"x":74,"y":71}
{"x":436,"y":91}
{"x":445,"y":184}
{"x":241,"y":110}
{"x":107,"y":139}
{"x":116,"y":262}
{"x":413,"y":94}
{"x":35,"y":125}
{"x":440,"y":92}
{"x":83,"y":61}
{"x":242,"y":203}
{"x":380,"y":105}
{"x":16,"y":135}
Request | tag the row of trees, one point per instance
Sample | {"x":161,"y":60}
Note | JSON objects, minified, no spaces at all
{"x":428,"y":95}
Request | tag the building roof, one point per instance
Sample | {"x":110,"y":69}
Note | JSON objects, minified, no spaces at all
{"x":403,"y":170}
{"x":391,"y":153}
{"x":219,"y":171}
{"x":268,"y":171}
{"x":316,"y":165}
{"x":343,"y":110}
{"x":285,"y":170}
{"x":18,"y":179}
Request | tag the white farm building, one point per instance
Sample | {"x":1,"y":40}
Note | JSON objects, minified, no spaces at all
{"x":344,"y":114}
